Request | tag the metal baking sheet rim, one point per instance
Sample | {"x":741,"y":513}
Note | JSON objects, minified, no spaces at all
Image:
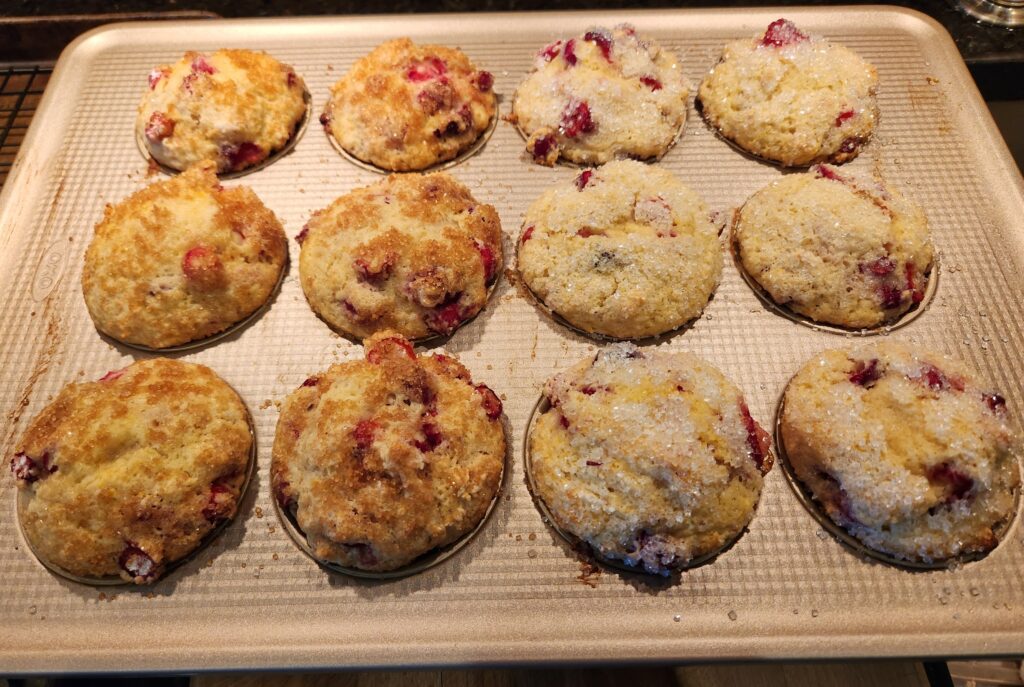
{"x":88,"y":646}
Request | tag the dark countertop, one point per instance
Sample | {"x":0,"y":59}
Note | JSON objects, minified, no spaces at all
{"x":977,"y":42}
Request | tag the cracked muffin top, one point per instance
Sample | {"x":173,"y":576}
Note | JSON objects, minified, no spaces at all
{"x":791,"y":98}
{"x":625,"y":250}
{"x":412,"y":253}
{"x":127,"y":475}
{"x":651,"y":458}
{"x":602,"y":95}
{"x":836,"y":248}
{"x":181,"y":260}
{"x":233,"y":107}
{"x":385,"y":459}
{"x":405,"y":107}
{"x":906,"y":449}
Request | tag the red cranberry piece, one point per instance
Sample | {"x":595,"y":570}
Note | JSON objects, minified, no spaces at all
{"x":291,"y":79}
{"x":425,"y":70}
{"x":527,"y":234}
{"x":865,"y":374}
{"x":576,"y":120}
{"x":159,"y":127}
{"x":563,"y":420}
{"x":995,"y":403}
{"x":388,"y":346}
{"x":25,"y":469}
{"x":302,"y":234}
{"x":584,"y":178}
{"x":432,"y":438}
{"x":311,"y":381}
{"x":488,"y":260}
{"x":890,"y":295}
{"x":935,"y":379}
{"x":826,"y":172}
{"x":374,"y":274}
{"x":550,"y":52}
{"x":203,"y":268}
{"x":588,"y":390}
{"x":782,"y":32}
{"x":850,"y":144}
{"x":570,"y":52}
{"x":352,"y":311}
{"x":243,"y":155}
{"x":201,"y":66}
{"x":364,"y":552}
{"x":915,"y":293}
{"x":956,"y":483}
{"x":602,"y":40}
{"x":137,"y":563}
{"x":880,"y":267}
{"x":155,"y":76}
{"x":218,"y":506}
{"x":651,"y":83}
{"x":542,"y":146}
{"x":280,"y":493}
{"x":112,"y":375}
{"x":445,"y":318}
{"x":484,"y":81}
{"x":758,"y":441}
{"x":364,"y":432}
{"x":491,"y":402}
{"x":594,"y":463}
{"x":843,"y":116}
{"x":587,"y":232}
{"x":325,"y":119}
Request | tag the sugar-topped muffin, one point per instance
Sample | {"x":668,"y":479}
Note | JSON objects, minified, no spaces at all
{"x":405,"y":107}
{"x":791,"y":98}
{"x":414,"y":254}
{"x":605,"y":94}
{"x":836,"y":248}
{"x":181,"y":260}
{"x":126,"y":475}
{"x":385,"y":459}
{"x":651,"y":458}
{"x":905,"y":449}
{"x":232,"y":107}
{"x":625,"y":250}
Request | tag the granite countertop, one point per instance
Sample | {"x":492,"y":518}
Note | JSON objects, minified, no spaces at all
{"x":977,"y":42}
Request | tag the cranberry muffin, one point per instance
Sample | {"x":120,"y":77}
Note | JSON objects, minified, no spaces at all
{"x":905,"y":449}
{"x":835,"y":248}
{"x":649,"y":457}
{"x":181,"y":260}
{"x":382,"y":460}
{"x":602,"y":95}
{"x":232,"y":107}
{"x":414,"y":254}
{"x":791,"y":98}
{"x":405,"y":107}
{"x":625,"y":251}
{"x":126,"y":475}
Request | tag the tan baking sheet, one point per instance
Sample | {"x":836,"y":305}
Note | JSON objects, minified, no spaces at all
{"x":515,"y":593}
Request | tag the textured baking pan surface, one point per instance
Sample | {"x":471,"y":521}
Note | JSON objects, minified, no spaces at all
{"x":515,"y":593}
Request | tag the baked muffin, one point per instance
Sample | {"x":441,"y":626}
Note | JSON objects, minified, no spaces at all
{"x":625,"y":251}
{"x":651,"y":458}
{"x":129,"y":474}
{"x":234,"y":107}
{"x":414,"y":254}
{"x":791,"y":98}
{"x":406,"y":107}
{"x":904,"y":449}
{"x":835,"y":248}
{"x":602,"y":95}
{"x":385,"y":459}
{"x":181,"y":260}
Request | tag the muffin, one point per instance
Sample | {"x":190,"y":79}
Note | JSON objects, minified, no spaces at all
{"x":651,"y":458}
{"x":382,"y":460}
{"x":603,"y":95}
{"x":234,"y":108}
{"x":835,"y":248}
{"x":414,"y":254}
{"x":904,"y":449}
{"x":181,"y":260}
{"x":625,"y":251}
{"x":405,"y":107}
{"x":791,"y":98}
{"x":126,"y":475}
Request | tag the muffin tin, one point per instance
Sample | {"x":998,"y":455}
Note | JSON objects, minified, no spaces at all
{"x":513,"y":593}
